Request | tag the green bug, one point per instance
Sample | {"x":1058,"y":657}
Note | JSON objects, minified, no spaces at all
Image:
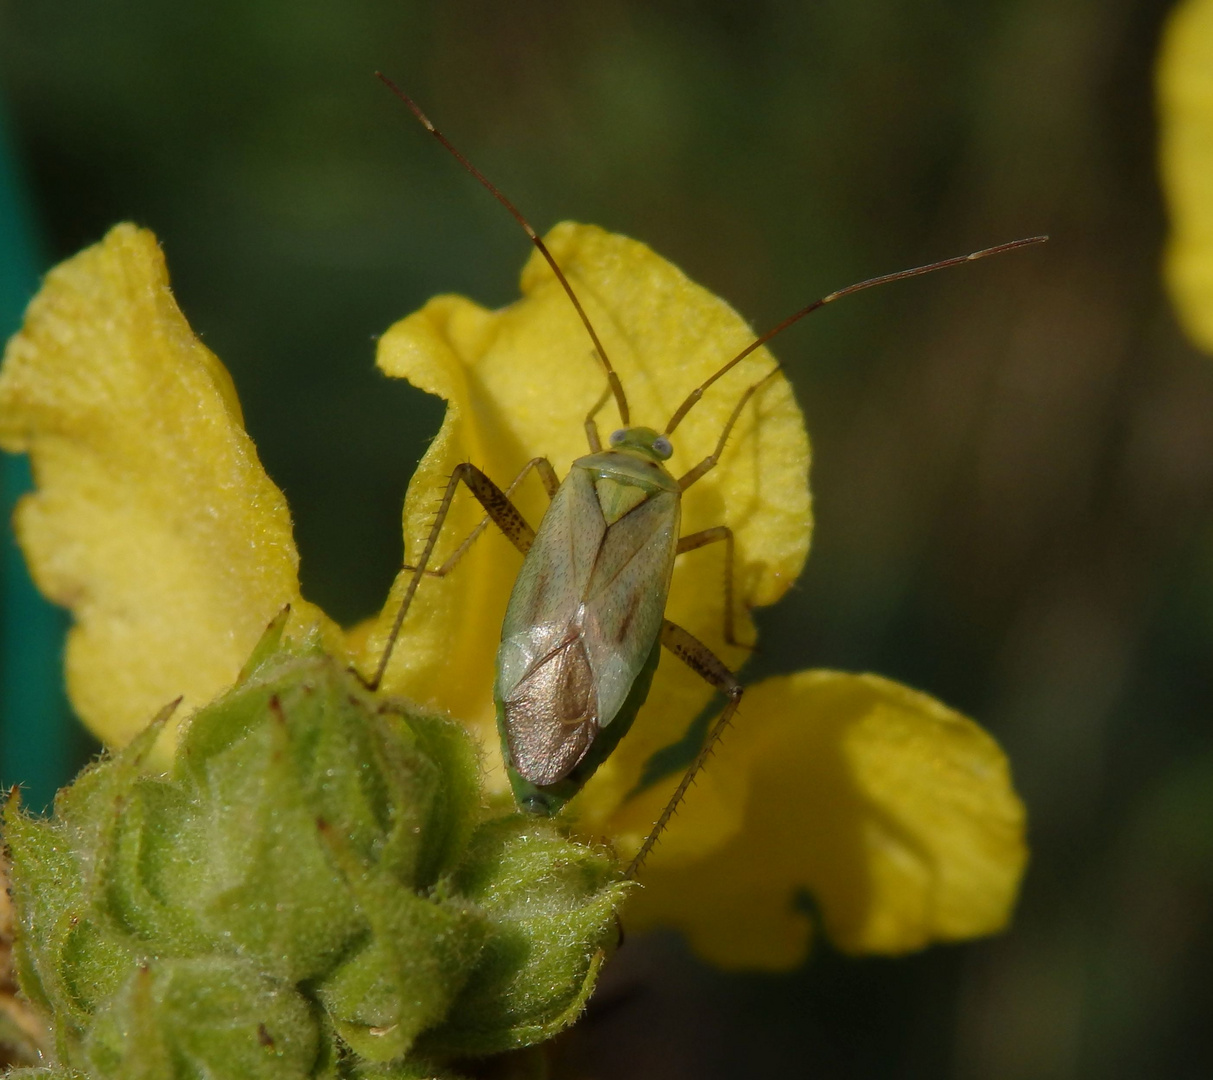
{"x":585,"y":623}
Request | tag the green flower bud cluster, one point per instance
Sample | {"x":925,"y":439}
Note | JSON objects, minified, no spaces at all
{"x":315,"y":889}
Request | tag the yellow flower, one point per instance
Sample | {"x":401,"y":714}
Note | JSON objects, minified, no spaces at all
{"x":1185,"y":90}
{"x":154,"y":522}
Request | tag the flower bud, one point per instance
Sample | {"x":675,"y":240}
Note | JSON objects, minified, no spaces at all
{"x":314,"y":889}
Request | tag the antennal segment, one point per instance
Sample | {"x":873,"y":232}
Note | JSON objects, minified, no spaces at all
{"x":616,"y":386}
{"x":859,"y":286}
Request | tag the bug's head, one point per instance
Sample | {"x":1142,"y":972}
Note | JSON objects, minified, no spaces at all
{"x":643,"y":440}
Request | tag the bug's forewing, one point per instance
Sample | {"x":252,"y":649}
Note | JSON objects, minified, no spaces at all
{"x":552,"y":582}
{"x":544,"y":679}
{"x":626,"y":596}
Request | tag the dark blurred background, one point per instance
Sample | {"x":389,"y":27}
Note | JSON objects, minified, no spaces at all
{"x":1014,"y":462}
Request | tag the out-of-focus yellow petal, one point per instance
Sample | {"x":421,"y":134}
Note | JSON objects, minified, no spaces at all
{"x":153,"y":520}
{"x":519,"y":383}
{"x":894,"y":813}
{"x":1185,"y":89}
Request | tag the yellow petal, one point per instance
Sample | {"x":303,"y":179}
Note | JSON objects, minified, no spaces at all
{"x":519,"y":383}
{"x":1185,"y":88}
{"x":153,"y":520}
{"x":893,"y":812}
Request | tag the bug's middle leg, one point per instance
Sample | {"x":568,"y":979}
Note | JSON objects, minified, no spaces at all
{"x":497,"y":505}
{"x":550,"y":483}
{"x":718,"y":534}
{"x":710,"y":462}
{"x":701,"y":660}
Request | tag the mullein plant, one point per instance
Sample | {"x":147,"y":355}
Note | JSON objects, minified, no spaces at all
{"x":274,"y":872}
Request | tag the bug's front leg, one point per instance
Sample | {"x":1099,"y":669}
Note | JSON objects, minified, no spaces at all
{"x":504,"y":514}
{"x":718,"y":534}
{"x":591,"y":421}
{"x":700,"y":659}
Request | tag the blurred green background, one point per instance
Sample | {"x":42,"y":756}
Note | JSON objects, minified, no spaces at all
{"x":1014,"y":462}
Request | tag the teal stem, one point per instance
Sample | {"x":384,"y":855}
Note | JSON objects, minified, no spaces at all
{"x":35,"y":722}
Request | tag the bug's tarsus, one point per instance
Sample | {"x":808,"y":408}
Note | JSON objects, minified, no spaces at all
{"x":859,"y":286}
{"x":415,"y":109}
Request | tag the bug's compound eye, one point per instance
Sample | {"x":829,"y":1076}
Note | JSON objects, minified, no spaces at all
{"x":662,"y":447}
{"x":618,"y":436}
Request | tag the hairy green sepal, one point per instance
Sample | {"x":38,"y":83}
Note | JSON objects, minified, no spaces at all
{"x":314,"y":890}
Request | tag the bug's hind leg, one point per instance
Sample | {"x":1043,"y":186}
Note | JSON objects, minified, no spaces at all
{"x":497,"y":505}
{"x":718,"y":534}
{"x":550,"y":483}
{"x":700,"y":659}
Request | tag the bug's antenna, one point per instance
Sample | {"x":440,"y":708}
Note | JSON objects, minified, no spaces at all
{"x":859,"y":286}
{"x":616,"y":386}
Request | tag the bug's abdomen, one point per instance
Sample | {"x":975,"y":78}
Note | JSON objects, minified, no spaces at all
{"x":552,"y":713}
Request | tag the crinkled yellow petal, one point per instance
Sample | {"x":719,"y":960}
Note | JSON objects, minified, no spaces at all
{"x":894,"y":813}
{"x":153,"y":520}
{"x":519,"y":383}
{"x":1185,"y":89}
